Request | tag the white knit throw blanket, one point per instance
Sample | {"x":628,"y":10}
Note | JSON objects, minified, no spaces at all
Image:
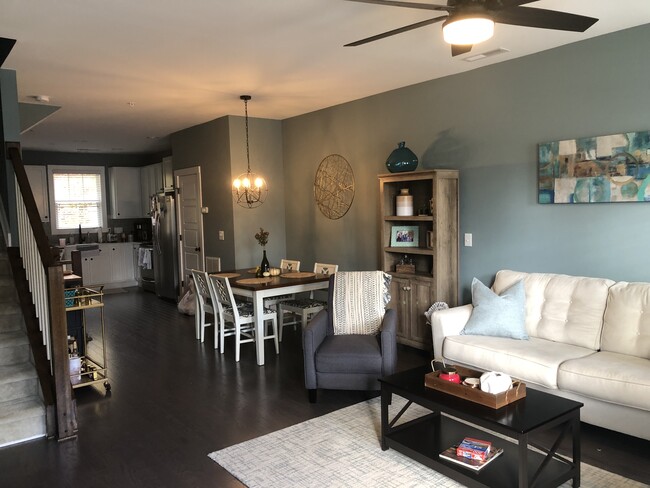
{"x":359,"y":301}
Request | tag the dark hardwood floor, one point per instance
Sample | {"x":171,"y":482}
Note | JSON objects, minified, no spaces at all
{"x":174,"y":400}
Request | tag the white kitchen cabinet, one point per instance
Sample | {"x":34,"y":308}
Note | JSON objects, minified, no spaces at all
{"x":167,"y":174}
{"x":126,"y":197}
{"x":37,"y":176}
{"x":151,"y":184}
{"x":112,"y":266}
{"x":95,"y":267}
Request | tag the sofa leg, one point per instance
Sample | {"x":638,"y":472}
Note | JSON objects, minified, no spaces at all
{"x":312,"y":395}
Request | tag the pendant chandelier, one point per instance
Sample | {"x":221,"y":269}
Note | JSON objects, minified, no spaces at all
{"x":248,"y":189}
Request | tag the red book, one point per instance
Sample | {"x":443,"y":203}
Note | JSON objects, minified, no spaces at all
{"x":473,"y":449}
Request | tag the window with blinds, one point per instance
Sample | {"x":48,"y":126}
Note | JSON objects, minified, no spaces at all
{"x":77,"y":197}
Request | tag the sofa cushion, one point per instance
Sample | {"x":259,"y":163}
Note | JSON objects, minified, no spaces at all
{"x":345,"y":353}
{"x":533,"y":361}
{"x":499,"y":315}
{"x":609,"y":376}
{"x":561,"y":308}
{"x":626,"y":328}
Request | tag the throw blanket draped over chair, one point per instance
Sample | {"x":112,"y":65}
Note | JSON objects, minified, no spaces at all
{"x":360,"y":354}
{"x":359,"y":301}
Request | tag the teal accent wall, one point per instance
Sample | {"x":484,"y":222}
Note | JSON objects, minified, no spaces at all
{"x":487,"y":123}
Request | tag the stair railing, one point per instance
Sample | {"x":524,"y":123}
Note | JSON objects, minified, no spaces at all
{"x":44,"y":273}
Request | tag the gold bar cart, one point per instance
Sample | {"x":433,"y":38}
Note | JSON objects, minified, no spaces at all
{"x":93,"y":369}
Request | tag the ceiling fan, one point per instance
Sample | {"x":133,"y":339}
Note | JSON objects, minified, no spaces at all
{"x":469,"y":22}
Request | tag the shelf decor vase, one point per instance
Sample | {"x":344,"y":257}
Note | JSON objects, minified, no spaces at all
{"x":402,"y":159}
{"x":404,"y":203}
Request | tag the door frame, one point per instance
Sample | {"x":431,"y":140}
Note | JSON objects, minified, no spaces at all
{"x":179,"y":195}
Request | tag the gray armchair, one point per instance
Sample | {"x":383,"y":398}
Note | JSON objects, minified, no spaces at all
{"x":347,"y":362}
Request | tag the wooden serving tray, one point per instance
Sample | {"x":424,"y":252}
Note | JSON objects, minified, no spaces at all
{"x":476,"y":395}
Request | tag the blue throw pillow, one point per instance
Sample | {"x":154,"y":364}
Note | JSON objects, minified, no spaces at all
{"x":497,"y":315}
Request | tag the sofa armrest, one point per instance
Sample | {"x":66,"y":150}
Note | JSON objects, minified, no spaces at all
{"x":388,"y":339}
{"x":313,"y":335}
{"x":448,"y":322}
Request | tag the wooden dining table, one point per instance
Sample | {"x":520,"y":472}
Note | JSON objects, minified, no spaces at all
{"x":244,"y":283}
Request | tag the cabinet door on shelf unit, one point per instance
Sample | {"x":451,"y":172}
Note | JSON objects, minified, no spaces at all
{"x":421,"y":300}
{"x":400,"y":300}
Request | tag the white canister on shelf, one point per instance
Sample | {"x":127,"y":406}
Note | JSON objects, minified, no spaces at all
{"x":404,"y":204}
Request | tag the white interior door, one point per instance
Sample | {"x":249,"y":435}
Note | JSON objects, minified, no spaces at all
{"x":188,"y":184}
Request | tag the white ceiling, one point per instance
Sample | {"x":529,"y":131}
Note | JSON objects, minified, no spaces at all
{"x":185,"y":63}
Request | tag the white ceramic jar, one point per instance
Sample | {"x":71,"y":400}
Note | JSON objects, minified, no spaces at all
{"x":404,"y":203}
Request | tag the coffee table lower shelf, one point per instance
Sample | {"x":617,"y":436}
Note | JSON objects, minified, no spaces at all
{"x":422,"y":440}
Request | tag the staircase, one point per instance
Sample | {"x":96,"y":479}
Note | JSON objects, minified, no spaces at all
{"x":22,"y":412}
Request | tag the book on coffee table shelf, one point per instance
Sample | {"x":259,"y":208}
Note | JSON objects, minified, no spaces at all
{"x":473,"y":464}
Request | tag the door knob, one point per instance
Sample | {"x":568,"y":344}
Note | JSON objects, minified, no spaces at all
{"x":197,"y":249}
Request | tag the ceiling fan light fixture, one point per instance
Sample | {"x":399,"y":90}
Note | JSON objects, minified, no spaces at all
{"x":467,"y":30}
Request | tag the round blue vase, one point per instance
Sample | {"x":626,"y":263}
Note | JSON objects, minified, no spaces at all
{"x":402,"y":159}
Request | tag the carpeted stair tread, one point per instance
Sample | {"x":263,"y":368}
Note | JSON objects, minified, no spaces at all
{"x":9,"y":308}
{"x":17,"y":372}
{"x":12,"y":339}
{"x":23,"y":408}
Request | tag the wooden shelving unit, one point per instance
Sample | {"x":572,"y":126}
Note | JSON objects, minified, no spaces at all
{"x":435,"y":192}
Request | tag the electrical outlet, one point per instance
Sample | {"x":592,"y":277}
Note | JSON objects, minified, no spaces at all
{"x":468,"y":240}
{"x":222,"y":235}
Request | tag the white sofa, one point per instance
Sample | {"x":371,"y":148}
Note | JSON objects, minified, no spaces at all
{"x":589,"y":340}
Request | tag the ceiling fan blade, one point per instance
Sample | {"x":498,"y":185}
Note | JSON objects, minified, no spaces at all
{"x":392,"y":3}
{"x":502,"y":4}
{"x":543,"y":19}
{"x":397,"y":31}
{"x":458,"y":49}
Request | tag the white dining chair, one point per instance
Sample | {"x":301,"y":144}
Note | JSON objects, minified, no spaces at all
{"x":286,"y":266}
{"x":304,"y":308}
{"x":238,"y":319}
{"x":204,"y":303}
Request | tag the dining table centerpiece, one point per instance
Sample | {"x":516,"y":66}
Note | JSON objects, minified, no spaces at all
{"x":262,"y":238}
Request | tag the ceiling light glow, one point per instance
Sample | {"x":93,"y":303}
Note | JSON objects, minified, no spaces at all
{"x":467,"y":30}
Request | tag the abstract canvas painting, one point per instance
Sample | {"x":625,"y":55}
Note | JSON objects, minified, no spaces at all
{"x":614,"y":168}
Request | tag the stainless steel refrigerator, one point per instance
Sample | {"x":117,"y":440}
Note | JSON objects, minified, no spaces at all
{"x":165,"y":246}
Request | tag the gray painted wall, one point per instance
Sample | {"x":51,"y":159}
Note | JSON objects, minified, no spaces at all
{"x":487,"y":123}
{"x":11,"y":133}
{"x":207,"y":145}
{"x":219,"y":148}
{"x":265,"y":137}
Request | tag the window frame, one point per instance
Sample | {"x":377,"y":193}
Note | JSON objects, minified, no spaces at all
{"x":72,"y":169}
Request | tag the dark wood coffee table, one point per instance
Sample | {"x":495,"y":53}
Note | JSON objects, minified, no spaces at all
{"x":424,"y":438}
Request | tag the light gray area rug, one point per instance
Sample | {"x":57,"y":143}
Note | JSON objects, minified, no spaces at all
{"x":341,"y":449}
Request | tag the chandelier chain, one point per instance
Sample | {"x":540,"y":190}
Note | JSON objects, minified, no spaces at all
{"x":248,"y":157}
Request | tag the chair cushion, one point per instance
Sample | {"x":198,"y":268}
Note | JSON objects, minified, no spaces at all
{"x":245,"y":309}
{"x":501,"y":315}
{"x":352,"y":353}
{"x":533,"y":361}
{"x":304,"y":303}
{"x":617,"y":378}
{"x":561,"y":308}
{"x":626,"y":326}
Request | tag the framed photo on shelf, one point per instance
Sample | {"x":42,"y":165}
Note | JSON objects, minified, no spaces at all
{"x":404,"y":236}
